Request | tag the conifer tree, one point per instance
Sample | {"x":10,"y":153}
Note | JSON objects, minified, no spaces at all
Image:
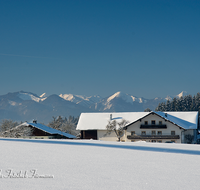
{"x":186,"y":103}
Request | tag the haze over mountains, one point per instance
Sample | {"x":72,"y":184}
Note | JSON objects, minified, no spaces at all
{"x":25,"y":106}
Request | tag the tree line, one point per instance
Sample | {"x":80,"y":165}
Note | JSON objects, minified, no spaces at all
{"x":186,"y":103}
{"x":10,"y":128}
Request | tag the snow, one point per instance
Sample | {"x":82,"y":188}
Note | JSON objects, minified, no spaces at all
{"x":43,"y":96}
{"x":28,"y":96}
{"x":113,"y":96}
{"x":100,"y":120}
{"x":187,"y":120}
{"x":182,"y":94}
{"x":12,"y":103}
{"x":82,"y":100}
{"x":68,"y":97}
{"x":169,"y":98}
{"x":89,"y":165}
{"x":126,"y":97}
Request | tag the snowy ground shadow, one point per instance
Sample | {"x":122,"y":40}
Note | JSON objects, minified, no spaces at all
{"x":121,"y":146}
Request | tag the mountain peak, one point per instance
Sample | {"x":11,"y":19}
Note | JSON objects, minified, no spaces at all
{"x":68,"y":97}
{"x":183,"y":93}
{"x":44,"y":95}
{"x":126,"y":97}
{"x":28,"y":96}
{"x":117,"y":94}
{"x":81,"y":99}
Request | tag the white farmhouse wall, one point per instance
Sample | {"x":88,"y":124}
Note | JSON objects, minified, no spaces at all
{"x":109,"y":137}
{"x":170,"y":127}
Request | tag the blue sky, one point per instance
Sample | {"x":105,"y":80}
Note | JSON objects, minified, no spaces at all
{"x":98,"y":47}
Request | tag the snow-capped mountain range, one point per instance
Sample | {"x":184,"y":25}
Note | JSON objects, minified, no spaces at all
{"x":25,"y":106}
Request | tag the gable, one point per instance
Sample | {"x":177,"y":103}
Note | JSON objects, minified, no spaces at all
{"x":153,"y":122}
{"x":184,"y":120}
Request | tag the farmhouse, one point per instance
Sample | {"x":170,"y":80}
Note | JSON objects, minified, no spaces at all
{"x":179,"y":127}
{"x":38,"y":131}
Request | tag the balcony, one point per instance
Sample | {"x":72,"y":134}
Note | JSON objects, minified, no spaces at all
{"x":153,"y":137}
{"x":153,"y":126}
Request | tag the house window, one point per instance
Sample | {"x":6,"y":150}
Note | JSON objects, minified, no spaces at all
{"x":153,"y":122}
{"x":153,"y":132}
{"x":132,"y":132}
{"x":146,"y":122}
{"x":172,"y":132}
{"x":153,"y":141}
{"x":160,"y":122}
{"x":159,"y":133}
{"x":143,"y":133}
{"x":159,"y":141}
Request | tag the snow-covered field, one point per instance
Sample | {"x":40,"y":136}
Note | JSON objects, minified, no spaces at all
{"x":97,"y":165}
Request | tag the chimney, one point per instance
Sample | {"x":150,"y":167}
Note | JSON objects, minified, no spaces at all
{"x":35,"y":121}
{"x":110,"y":116}
{"x":165,"y":114}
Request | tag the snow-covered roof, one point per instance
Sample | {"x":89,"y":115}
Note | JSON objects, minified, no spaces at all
{"x":94,"y":121}
{"x":98,"y":121}
{"x":49,"y":129}
{"x":186,"y":120}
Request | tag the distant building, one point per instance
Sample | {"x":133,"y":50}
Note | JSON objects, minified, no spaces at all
{"x":40,"y":131}
{"x":178,"y":127}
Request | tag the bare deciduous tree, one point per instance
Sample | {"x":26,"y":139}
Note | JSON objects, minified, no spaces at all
{"x":7,"y":124}
{"x":67,"y":125}
{"x":56,"y":123}
{"x":117,"y":127}
{"x":17,"y":131}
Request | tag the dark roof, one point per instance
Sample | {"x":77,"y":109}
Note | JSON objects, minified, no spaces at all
{"x":50,"y":130}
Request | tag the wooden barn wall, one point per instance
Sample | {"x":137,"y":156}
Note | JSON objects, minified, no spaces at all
{"x":89,"y":134}
{"x":38,"y":132}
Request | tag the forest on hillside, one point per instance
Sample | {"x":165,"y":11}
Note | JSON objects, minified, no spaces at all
{"x":185,"y":103}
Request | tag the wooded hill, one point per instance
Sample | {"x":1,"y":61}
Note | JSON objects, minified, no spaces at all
{"x":185,"y":103}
